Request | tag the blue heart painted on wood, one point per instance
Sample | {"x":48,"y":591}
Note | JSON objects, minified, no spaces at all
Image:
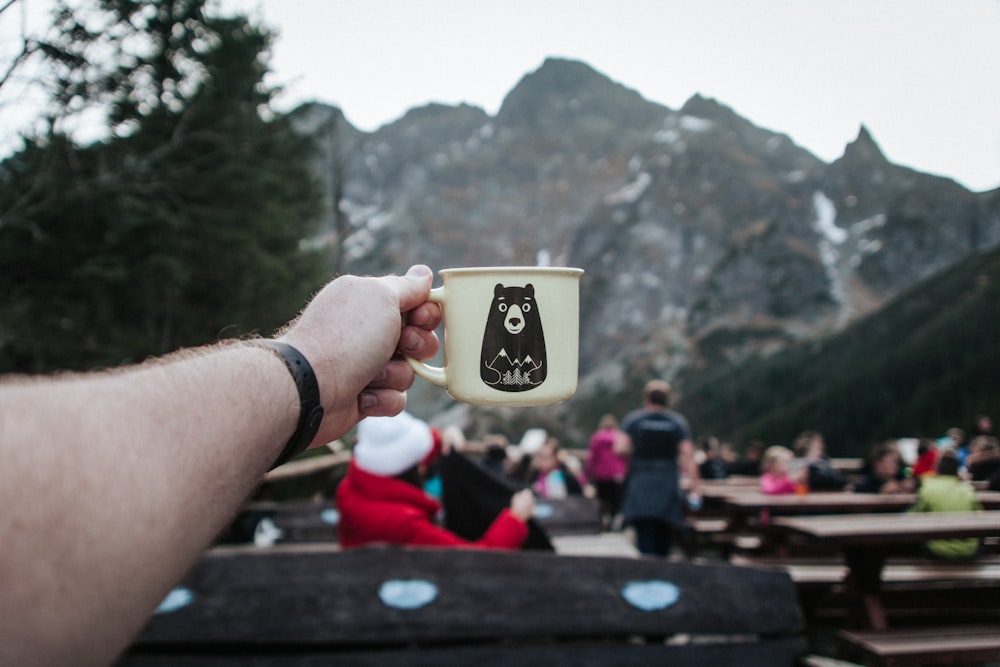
{"x":176,"y":599}
{"x":407,"y":593}
{"x":651,"y":595}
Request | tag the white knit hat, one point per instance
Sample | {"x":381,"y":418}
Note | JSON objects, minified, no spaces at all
{"x":388,"y":446}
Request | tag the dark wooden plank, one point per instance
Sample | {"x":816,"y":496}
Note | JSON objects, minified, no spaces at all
{"x":985,"y":573}
{"x":778,"y":653}
{"x":325,"y":597}
{"x":925,"y":646}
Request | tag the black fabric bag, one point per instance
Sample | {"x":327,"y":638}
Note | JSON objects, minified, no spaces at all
{"x":473,"y":497}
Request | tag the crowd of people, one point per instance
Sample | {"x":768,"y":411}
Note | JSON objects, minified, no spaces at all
{"x":891,"y":466}
{"x":642,"y":471}
{"x":646,"y":470}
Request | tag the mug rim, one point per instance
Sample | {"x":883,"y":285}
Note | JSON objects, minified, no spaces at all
{"x":479,"y":270}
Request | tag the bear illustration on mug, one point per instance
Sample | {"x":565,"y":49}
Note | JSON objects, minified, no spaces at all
{"x":513,"y":353}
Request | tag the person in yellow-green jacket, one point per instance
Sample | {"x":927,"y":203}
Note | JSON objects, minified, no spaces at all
{"x":945,"y":492}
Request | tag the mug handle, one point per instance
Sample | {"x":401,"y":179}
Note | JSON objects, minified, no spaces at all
{"x":433,"y":374}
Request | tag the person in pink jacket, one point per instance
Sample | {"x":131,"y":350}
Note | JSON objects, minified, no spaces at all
{"x":381,"y":499}
{"x":777,"y":478}
{"x":606,"y":467}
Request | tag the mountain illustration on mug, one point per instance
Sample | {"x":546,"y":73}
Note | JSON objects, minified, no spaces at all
{"x":513,"y":354}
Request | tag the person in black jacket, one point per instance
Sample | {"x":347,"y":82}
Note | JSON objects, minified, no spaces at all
{"x":810,"y":448}
{"x":714,"y":466}
{"x":882,"y":472}
{"x":662,"y":454}
{"x":749,"y":462}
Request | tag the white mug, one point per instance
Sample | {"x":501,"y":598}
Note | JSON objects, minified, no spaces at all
{"x":511,"y":335}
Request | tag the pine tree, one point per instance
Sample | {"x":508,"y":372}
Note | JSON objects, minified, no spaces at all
{"x":184,"y":226}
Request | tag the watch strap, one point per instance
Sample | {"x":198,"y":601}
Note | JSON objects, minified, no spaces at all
{"x":310,"y":408}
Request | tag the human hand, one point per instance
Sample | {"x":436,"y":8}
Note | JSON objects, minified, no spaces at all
{"x":522,"y":504}
{"x":898,"y":486}
{"x":352,"y":333}
{"x":452,"y":439}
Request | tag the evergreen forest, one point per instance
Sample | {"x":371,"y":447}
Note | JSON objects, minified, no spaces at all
{"x":182,"y":225}
{"x":926,"y":362}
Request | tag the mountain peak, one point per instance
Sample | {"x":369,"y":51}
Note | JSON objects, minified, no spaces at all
{"x":563,"y":89}
{"x":864,"y":148}
{"x":560,"y":76}
{"x":704,"y":107}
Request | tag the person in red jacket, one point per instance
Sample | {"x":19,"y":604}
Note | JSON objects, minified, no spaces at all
{"x":927,"y":457}
{"x":381,"y":500}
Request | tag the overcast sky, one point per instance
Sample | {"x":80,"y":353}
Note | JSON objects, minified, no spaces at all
{"x":923,"y":75}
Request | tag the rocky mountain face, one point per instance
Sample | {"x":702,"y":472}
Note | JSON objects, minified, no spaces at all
{"x":704,"y":237}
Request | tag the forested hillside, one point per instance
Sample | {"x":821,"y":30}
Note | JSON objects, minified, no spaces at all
{"x":928,"y":361}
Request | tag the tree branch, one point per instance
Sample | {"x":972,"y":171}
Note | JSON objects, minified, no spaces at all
{"x":7,"y":5}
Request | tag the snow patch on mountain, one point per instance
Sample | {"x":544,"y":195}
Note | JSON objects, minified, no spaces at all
{"x":826,"y":219}
{"x":631,"y":192}
{"x":695,"y":124}
{"x":831,"y":236}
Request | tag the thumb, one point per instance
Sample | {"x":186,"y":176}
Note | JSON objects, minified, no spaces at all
{"x":413,"y":288}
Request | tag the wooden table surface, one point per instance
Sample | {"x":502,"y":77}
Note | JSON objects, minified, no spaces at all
{"x":733,"y":480}
{"x":835,"y":502}
{"x":882,"y":529}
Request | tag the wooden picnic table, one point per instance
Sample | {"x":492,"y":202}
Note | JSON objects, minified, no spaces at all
{"x":715,"y":492}
{"x":866,"y":540}
{"x":742,"y":508}
{"x":385,"y":606}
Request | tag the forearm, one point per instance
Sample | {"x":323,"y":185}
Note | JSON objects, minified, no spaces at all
{"x":113,"y":484}
{"x":689,"y":466}
{"x":153,"y":462}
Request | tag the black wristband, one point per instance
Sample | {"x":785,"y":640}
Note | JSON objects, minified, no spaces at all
{"x":310,"y":409}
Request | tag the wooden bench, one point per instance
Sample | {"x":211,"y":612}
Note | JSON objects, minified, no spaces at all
{"x":984,"y":572}
{"x":395,"y":606}
{"x":923,"y":646}
{"x":714,"y":535}
{"x":913,"y":588}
